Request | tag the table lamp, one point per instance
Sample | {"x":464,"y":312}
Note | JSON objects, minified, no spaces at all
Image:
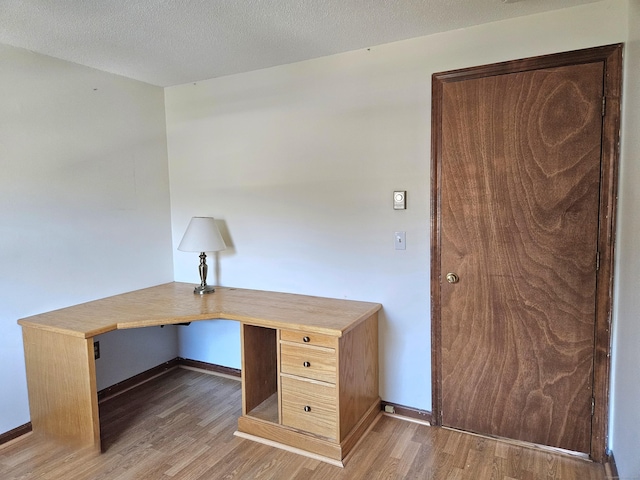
{"x":202,"y":235}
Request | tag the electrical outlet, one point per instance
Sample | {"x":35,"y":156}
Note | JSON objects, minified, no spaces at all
{"x":96,"y":350}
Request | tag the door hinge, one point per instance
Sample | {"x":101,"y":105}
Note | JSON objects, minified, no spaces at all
{"x":604,"y":105}
{"x":593,"y":406}
{"x":597,"y":261}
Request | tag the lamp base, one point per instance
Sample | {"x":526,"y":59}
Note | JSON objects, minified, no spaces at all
{"x":202,"y":290}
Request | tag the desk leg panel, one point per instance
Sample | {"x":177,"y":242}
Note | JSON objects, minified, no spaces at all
{"x":61,"y":379}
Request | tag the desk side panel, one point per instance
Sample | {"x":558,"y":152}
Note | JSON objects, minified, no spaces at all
{"x":61,"y":380}
{"x":358,"y":377}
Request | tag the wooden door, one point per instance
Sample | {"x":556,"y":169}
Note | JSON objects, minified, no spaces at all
{"x":518,"y":186}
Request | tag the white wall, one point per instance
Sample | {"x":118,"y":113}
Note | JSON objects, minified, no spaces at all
{"x":202,"y":341}
{"x":299,"y":163}
{"x":126,"y":353}
{"x":625,"y":392}
{"x":84,"y":199}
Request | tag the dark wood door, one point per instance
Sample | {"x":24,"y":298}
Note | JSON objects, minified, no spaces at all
{"x":518,"y":206}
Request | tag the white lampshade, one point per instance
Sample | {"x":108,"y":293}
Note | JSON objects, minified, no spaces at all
{"x":202,"y":235}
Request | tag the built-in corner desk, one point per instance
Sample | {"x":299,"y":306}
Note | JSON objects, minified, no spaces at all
{"x":309,"y":364}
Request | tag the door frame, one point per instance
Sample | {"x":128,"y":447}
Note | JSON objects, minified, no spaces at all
{"x":611,"y":55}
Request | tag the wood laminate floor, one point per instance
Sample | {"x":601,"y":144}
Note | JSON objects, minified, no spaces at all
{"x":180,"y":426}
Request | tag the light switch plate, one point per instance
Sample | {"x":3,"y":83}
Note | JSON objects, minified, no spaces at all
{"x":399,"y":200}
{"x":400,"y":240}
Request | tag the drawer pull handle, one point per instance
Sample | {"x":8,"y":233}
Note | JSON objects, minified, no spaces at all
{"x":306,"y":364}
{"x":307,"y":408}
{"x":306,"y":339}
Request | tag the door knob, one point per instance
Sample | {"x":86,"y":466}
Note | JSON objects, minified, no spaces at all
{"x":452,"y":278}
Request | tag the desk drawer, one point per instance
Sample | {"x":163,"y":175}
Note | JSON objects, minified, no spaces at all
{"x":309,"y":406}
{"x":308,"y":362}
{"x":308,"y":338}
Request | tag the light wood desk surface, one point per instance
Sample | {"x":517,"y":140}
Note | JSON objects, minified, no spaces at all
{"x":175,"y":302}
{"x":61,"y":367}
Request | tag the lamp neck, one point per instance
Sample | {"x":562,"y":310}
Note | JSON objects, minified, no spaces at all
{"x":203,"y":269}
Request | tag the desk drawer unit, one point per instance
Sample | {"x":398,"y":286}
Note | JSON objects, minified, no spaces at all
{"x":308,"y":406}
{"x":327,"y":386}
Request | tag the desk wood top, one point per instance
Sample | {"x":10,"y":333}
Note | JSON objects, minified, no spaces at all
{"x":175,"y":302}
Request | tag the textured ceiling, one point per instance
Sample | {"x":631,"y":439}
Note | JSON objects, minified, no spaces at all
{"x":169,"y":42}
